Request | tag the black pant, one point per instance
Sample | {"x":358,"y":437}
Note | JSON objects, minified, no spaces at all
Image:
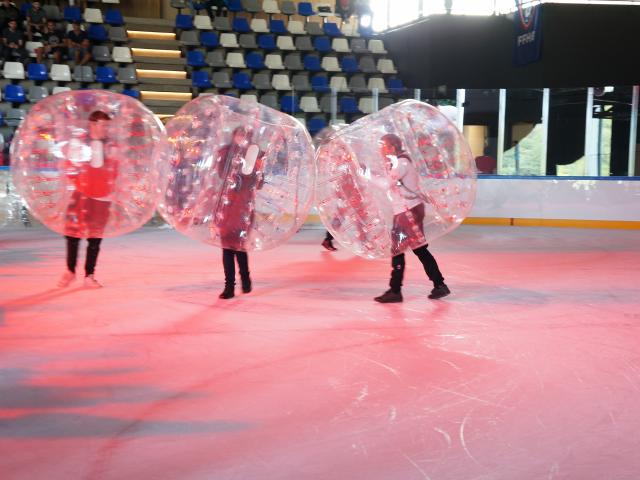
{"x":328,"y":236}
{"x":428,"y":262}
{"x":228,"y":263}
{"x":93,"y":249}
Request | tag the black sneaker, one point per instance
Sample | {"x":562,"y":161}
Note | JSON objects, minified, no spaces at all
{"x":389,"y":297}
{"x":227,"y":293}
{"x":439,"y":292}
{"x":328,"y":244}
{"x":246,"y":286}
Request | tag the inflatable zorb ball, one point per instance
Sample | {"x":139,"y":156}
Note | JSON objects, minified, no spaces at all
{"x":394,"y":180}
{"x":87,"y":163}
{"x":241,"y":175}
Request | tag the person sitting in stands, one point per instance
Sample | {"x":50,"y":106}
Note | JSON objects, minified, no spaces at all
{"x":8,"y":11}
{"x":13,"y":43}
{"x":53,"y":43}
{"x":78,"y":45}
{"x":344,"y":9}
{"x":36,"y":20}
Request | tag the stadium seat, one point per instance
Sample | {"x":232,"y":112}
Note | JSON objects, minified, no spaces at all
{"x":209,"y":39}
{"x":131,"y":93}
{"x":320,"y":83}
{"x":52,"y":12}
{"x":259,"y":25}
{"x":13,"y":70}
{"x":105,"y":75}
{"x":278,"y":27}
{"x":111,"y":1}
{"x":386,"y":66}
{"x":249,"y":97}
{"x":222,"y":24}
{"x":376,"y":82}
{"x":325,"y":9}
{"x":242,"y":81}
{"x":349,"y":105}
{"x":60,"y":72}
{"x":293,"y":61}
{"x":184,"y":22}
{"x":234,"y":5}
{"x":301,"y":82}
{"x":262,"y":81}
{"x":113,"y":17}
{"x":270,"y":7}
{"x":118,"y":35}
{"x":190,"y":38}
{"x":349,"y":29}
{"x":305,"y":9}
{"x":315,"y":125}
{"x":216,"y":59}
{"x":221,"y":80}
{"x":60,"y":90}
{"x":255,"y":61}
{"x":285,"y":43}
{"x":179,"y":4}
{"x":290,"y":104}
{"x":236,"y":60}
{"x":37,"y":93}
{"x":313,"y":28}
{"x":358,"y":84}
{"x":396,"y":86}
{"x":273,"y":61}
{"x":359,"y":45}
{"x":331,"y":29}
{"x":200,"y":79}
{"x":267,"y":42}
{"x":97,"y":33}
{"x":304,"y":44}
{"x":229,"y":40}
{"x":322,"y":44}
{"x":312,"y":63}
{"x":72,"y":14}
{"x":385,"y":102}
{"x":14,"y":94}
{"x":127,"y":75}
{"x":15,"y":116}
{"x":270,"y":100}
{"x":368,"y":65}
{"x":122,"y":55}
{"x":195,"y":58}
{"x":296,"y":27}
{"x":241,"y":25}
{"x":248,"y":41}
{"x":251,"y":6}
{"x":31,"y":48}
{"x":377,"y":46}
{"x":349,"y":65}
{"x":365,"y":105}
{"x":202,"y":22}
{"x":330,"y":64}
{"x":37,"y":72}
{"x":93,"y":15}
{"x":340,"y":45}
{"x":326,"y":104}
{"x":309,"y":104}
{"x":101,"y":53}
{"x":339,"y":83}
{"x":287,"y":7}
{"x":281,"y":82}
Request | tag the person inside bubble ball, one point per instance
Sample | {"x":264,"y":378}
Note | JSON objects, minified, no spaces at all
{"x":92,"y":173}
{"x":408,"y":221}
{"x":240,"y":164}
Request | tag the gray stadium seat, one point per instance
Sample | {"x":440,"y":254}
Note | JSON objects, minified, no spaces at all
{"x":118,"y":35}
{"x":262,"y":81}
{"x":301,"y":82}
{"x":190,"y":38}
{"x":304,"y":44}
{"x":83,"y":73}
{"x":384,"y":102}
{"x":52,"y":12}
{"x":313,"y":28}
{"x":15,"y":116}
{"x":359,"y":45}
{"x":127,"y":75}
{"x":248,"y":41}
{"x":37,"y":93}
{"x":293,"y":61}
{"x":270,"y":100}
{"x":358,"y":84}
{"x":325,"y":103}
{"x":216,"y":59}
{"x":101,"y":53}
{"x":252,"y":6}
{"x":288,"y":8}
{"x":368,"y":65}
{"x":221,"y":80}
{"x":222,"y":24}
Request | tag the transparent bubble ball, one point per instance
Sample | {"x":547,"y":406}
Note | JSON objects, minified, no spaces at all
{"x":87,"y":163}
{"x":241,"y":175}
{"x":394,"y":180}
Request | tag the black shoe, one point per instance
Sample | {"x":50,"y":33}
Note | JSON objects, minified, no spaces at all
{"x":246,"y":285}
{"x":227,"y":293}
{"x":328,"y":244}
{"x":389,"y":297}
{"x":439,"y":292}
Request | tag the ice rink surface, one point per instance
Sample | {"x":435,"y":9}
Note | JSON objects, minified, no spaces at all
{"x":529,"y":370}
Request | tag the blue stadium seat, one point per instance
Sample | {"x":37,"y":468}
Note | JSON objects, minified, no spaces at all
{"x":305,"y":9}
{"x":72,"y":14}
{"x":242,"y":81}
{"x":106,"y":75}
{"x":234,"y":5}
{"x":316,"y":124}
{"x":200,"y":79}
{"x":195,"y":58}
{"x":312,"y":63}
{"x":349,"y":105}
{"x":132,"y":93}
{"x":290,"y":104}
{"x":365,"y":32}
{"x":97,"y":33}
{"x":267,"y":42}
{"x":322,"y":44}
{"x":278,"y":27}
{"x":255,"y":61}
{"x":241,"y":25}
{"x":14,"y":94}
{"x":209,"y":39}
{"x":350,"y":65}
{"x":331,"y":29}
{"x":320,"y":83}
{"x":24,"y":9}
{"x":396,"y":86}
{"x":113,"y":17}
{"x":37,"y":72}
{"x":184,"y":22}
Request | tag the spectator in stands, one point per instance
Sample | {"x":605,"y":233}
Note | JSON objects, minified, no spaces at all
{"x":78,"y":45}
{"x":211,"y":6}
{"x":13,"y":43}
{"x":53,"y":43}
{"x":344,"y":9}
{"x":36,"y":20}
{"x":8,"y":11}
